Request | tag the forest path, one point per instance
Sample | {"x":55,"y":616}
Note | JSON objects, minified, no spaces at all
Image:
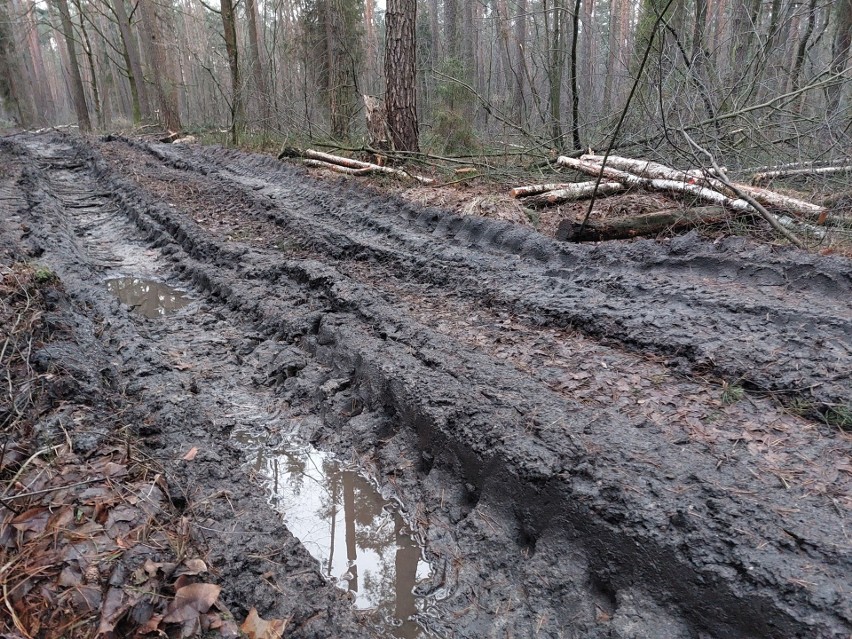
{"x":591,"y":441}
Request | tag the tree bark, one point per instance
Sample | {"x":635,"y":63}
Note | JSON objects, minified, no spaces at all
{"x":645,"y":224}
{"x":840,"y":51}
{"x":258,"y":70}
{"x":654,"y":170}
{"x":573,"y":192}
{"x":229,"y":28}
{"x":138,"y":89}
{"x":575,"y":92}
{"x":518,"y":109}
{"x":371,"y":47}
{"x":13,"y":91}
{"x":400,"y":54}
{"x":78,"y":93}
{"x":161,"y":74}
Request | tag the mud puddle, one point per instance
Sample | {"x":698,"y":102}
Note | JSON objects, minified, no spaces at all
{"x":358,"y":536}
{"x":147,"y":297}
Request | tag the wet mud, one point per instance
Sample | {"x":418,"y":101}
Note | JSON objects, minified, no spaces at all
{"x":624,"y":440}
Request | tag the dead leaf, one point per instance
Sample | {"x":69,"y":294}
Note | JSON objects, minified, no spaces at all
{"x":191,"y":454}
{"x":257,"y":628}
{"x":192,"y":567}
{"x":191,"y":600}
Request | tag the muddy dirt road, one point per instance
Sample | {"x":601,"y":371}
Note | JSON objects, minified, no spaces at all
{"x":624,"y":440}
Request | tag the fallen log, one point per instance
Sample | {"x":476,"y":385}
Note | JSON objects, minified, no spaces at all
{"x":644,"y":224}
{"x":761,"y":178}
{"x":657,"y":184}
{"x":655,"y":170}
{"x":645,"y":168}
{"x":348,"y":170}
{"x":573,"y":192}
{"x":360,"y":168}
{"x":537,"y":189}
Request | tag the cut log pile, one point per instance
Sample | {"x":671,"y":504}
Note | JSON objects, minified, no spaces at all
{"x":341,"y":164}
{"x":712,"y":198}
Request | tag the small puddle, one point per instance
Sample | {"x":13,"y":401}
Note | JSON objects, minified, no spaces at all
{"x":359,"y":538}
{"x":150,"y":298}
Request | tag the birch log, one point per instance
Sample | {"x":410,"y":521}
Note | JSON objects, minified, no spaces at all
{"x":567,"y":191}
{"x":573,"y":192}
{"x":812,"y":212}
{"x":760,"y":178}
{"x":658,"y":184}
{"x":367,"y":167}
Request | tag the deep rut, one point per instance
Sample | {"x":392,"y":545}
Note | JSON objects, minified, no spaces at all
{"x":553,"y":418}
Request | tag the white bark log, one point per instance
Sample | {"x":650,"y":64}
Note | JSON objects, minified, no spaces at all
{"x":759,"y":178}
{"x":813,"y":212}
{"x":657,"y":184}
{"x":574,"y":192}
{"x":319,"y":156}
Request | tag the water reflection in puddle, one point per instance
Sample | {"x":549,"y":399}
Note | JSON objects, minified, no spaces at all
{"x":150,"y":298}
{"x":360,"y":541}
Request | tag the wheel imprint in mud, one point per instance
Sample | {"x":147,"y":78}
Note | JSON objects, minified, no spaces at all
{"x":646,"y":529}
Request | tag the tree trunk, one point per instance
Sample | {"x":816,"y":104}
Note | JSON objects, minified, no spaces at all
{"x":93,"y":72}
{"x":840,"y":51}
{"x":13,"y":91}
{"x":400,"y":54}
{"x":435,"y":33}
{"x":573,"y":192}
{"x":575,"y":93}
{"x":77,"y":91}
{"x":371,"y":47}
{"x":138,"y":89}
{"x":518,"y":109}
{"x":30,"y":54}
{"x":161,"y":74}
{"x":556,"y":68}
{"x":258,"y":71}
{"x":229,"y":28}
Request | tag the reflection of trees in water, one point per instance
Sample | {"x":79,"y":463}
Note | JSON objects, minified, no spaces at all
{"x":382,"y":561}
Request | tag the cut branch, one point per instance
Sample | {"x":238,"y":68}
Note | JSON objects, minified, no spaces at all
{"x":654,"y":170}
{"x":659,"y":184}
{"x":329,"y":161}
{"x":762,"y":178}
{"x":574,"y":192}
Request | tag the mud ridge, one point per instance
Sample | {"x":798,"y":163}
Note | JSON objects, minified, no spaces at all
{"x":255,"y":557}
{"x":640,"y":295}
{"x":586,"y":522}
{"x":433,"y":430}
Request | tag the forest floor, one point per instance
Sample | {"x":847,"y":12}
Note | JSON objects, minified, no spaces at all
{"x":510,"y":437}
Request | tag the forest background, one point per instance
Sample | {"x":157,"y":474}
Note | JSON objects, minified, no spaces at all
{"x":752,"y":81}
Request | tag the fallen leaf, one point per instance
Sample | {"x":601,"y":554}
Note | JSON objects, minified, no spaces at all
{"x":192,"y":567}
{"x":191,"y":454}
{"x":257,"y":628}
{"x":191,"y":600}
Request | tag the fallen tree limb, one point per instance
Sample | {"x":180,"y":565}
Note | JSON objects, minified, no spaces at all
{"x":655,"y":170}
{"x":773,"y":221}
{"x":761,"y":178}
{"x":537,"y":189}
{"x":358,"y":167}
{"x":657,"y":184}
{"x":645,"y":224}
{"x":573,"y":192}
{"x":337,"y":168}
{"x":795,"y":165}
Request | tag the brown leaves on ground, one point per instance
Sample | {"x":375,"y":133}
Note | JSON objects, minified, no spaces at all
{"x":256,"y":627}
{"x":87,"y":540}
